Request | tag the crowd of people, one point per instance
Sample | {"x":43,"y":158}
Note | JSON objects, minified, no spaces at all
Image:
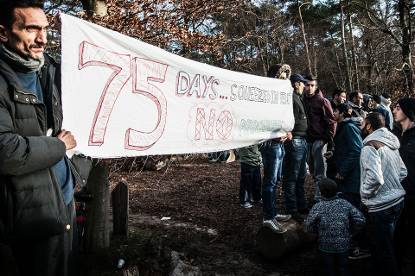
{"x":360,"y":154}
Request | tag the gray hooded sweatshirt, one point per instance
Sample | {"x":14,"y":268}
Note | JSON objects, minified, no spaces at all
{"x":382,"y":171}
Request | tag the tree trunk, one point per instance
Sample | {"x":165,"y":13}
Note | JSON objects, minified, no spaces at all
{"x":354,"y":56}
{"x":305,"y":38}
{"x":346,"y":60}
{"x":98,"y":210}
{"x":405,"y":23}
{"x":340,"y":71}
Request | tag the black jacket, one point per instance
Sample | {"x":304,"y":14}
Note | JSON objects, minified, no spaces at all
{"x":407,"y":151}
{"x":31,"y":201}
{"x":300,"y":116}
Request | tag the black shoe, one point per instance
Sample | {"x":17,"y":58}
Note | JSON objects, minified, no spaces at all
{"x":358,"y":253}
{"x":300,"y":218}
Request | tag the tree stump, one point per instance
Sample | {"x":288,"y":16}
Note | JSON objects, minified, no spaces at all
{"x":273,"y":246}
{"x":120,"y":208}
{"x":98,"y":228}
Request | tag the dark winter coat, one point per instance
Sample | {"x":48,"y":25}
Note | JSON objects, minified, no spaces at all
{"x":321,"y":121}
{"x":31,"y":201}
{"x":348,"y":145}
{"x":334,"y":220}
{"x":407,"y":152}
{"x":382,"y":110}
{"x":300,"y":116}
{"x":357,"y":111}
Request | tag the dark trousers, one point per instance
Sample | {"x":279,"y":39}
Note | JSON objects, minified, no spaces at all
{"x":360,"y":238}
{"x":334,"y":264}
{"x":250,"y":184}
{"x":294,"y":168}
{"x":405,"y":237}
{"x":381,"y":226}
{"x":50,"y":256}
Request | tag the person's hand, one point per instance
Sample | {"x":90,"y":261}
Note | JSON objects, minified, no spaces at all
{"x":328,"y":154}
{"x":283,"y":138}
{"x":67,"y":138}
{"x":289,"y":136}
{"x":339,"y":177}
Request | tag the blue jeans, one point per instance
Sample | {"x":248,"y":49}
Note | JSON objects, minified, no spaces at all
{"x":381,"y":226}
{"x":318,"y":163}
{"x":334,"y":264}
{"x":250,"y":184}
{"x":294,"y":174}
{"x":272,"y":157}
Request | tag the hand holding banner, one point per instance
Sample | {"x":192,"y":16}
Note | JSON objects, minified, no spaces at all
{"x":123,"y":97}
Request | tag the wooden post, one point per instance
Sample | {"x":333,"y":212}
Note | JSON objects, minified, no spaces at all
{"x":120,"y":208}
{"x":98,"y":227}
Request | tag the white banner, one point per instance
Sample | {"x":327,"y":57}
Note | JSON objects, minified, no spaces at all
{"x":123,"y":97}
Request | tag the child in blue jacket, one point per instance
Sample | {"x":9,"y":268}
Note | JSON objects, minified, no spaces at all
{"x":333,"y":219}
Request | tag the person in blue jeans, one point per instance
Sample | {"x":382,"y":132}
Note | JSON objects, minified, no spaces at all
{"x":296,"y":155}
{"x":272,"y":157}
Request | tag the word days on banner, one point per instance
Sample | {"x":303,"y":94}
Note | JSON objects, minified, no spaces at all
{"x":123,"y":97}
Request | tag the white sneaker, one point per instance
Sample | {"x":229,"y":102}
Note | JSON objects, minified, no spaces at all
{"x":246,"y":205}
{"x":274,"y":226}
{"x":281,"y":217}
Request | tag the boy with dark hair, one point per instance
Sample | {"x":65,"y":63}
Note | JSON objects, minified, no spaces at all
{"x":250,"y":183}
{"x":333,"y":219}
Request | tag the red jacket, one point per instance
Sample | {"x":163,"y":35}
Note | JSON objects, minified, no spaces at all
{"x":321,"y":122}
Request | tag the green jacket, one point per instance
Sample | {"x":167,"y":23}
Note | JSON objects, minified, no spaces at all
{"x":250,"y":155}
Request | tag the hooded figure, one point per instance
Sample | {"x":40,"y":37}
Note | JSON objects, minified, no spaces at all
{"x":382,"y":171}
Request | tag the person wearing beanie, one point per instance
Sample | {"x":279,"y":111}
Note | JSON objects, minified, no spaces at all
{"x":404,"y":115}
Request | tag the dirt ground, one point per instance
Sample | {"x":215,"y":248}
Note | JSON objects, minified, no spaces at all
{"x":191,"y":209}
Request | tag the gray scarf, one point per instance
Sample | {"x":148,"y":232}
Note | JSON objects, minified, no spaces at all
{"x":24,"y":65}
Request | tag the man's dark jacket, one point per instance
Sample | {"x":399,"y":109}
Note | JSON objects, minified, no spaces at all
{"x":300,"y":116}
{"x":348,"y":145}
{"x":31,"y":201}
{"x":407,"y":152}
{"x":321,"y":121}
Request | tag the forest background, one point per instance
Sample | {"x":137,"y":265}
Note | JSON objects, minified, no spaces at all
{"x":349,"y":44}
